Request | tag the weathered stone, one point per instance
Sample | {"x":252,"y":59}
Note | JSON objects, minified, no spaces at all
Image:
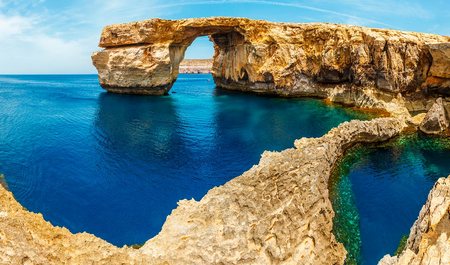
{"x":440,"y":54}
{"x":429,"y":240}
{"x":417,"y":119}
{"x":438,"y":80}
{"x":274,"y":58}
{"x":278,"y":212}
{"x":436,"y":120}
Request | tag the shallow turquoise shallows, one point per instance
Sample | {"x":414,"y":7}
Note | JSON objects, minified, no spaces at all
{"x":378,"y":193}
{"x":116,"y":165}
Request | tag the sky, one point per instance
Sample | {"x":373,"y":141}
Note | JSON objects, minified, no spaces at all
{"x":56,"y":37}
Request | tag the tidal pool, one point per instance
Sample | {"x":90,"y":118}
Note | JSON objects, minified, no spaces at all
{"x":116,"y":165}
{"x":377,"y":193}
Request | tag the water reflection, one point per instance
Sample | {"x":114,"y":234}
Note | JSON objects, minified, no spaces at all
{"x":116,"y":165}
{"x":138,"y":127}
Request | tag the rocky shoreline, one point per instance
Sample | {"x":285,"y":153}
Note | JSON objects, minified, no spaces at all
{"x":276,"y":212}
{"x":279,"y":211}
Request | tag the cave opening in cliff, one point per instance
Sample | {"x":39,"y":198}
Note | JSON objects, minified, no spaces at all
{"x":198,"y":57}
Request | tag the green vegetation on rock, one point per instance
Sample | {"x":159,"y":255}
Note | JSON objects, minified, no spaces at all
{"x":346,"y":220}
{"x":401,"y":245}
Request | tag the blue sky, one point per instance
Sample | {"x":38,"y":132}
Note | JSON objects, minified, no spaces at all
{"x":54,"y":36}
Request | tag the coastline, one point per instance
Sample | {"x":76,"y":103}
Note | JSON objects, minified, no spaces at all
{"x":279,"y":211}
{"x":196,"y":66}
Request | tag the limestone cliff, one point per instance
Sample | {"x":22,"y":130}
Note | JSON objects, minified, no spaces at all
{"x":279,"y":211}
{"x":326,"y":60}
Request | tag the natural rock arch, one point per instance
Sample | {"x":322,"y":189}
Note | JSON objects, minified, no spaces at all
{"x":144,"y":57}
{"x":348,"y":64}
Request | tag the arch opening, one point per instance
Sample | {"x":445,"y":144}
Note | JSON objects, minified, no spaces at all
{"x":227,"y":61}
{"x":198,"y":56}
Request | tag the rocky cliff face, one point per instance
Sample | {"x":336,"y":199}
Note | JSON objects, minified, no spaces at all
{"x":279,"y":211}
{"x":276,"y":58}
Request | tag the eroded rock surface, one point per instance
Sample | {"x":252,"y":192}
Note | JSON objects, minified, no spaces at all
{"x":439,"y":75}
{"x":278,"y":212}
{"x":429,"y":240}
{"x":436,"y":120}
{"x":325,"y":60}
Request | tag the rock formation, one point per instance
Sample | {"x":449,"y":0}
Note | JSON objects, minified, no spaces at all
{"x":277,"y":212}
{"x":436,"y":120}
{"x":439,"y":75}
{"x":347,"y":64}
{"x":429,"y":240}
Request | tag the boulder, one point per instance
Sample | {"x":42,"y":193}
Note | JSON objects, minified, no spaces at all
{"x":435,"y":121}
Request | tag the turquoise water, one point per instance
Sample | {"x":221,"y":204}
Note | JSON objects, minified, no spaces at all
{"x":378,"y":193}
{"x":115,"y":165}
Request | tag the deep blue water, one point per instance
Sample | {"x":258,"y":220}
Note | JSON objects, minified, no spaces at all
{"x":115,"y":165}
{"x":381,"y":191}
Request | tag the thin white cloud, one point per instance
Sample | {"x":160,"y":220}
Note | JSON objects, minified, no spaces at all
{"x":361,"y":20}
{"x":13,"y":25}
{"x":34,"y":39}
{"x":365,"y":21}
{"x":28,"y":48}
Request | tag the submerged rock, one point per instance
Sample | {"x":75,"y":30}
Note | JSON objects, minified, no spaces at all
{"x":429,"y":239}
{"x":436,"y":120}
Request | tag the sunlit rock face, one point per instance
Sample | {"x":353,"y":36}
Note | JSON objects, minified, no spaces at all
{"x":274,"y":58}
{"x":436,"y":120}
{"x":439,"y":75}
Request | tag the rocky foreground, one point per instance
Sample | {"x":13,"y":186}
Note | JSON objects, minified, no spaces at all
{"x":279,"y":211}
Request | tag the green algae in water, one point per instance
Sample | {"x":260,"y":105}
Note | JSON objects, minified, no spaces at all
{"x":346,"y":220}
{"x":400,"y":171}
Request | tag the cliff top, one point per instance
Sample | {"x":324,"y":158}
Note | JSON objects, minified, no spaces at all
{"x":185,"y":30}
